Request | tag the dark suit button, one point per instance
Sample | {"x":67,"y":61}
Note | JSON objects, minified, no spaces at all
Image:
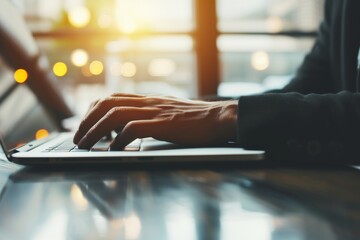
{"x":314,"y":148}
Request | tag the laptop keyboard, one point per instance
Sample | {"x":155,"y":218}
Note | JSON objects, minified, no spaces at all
{"x":101,"y":146}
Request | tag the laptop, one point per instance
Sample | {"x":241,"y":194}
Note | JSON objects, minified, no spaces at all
{"x":22,"y":118}
{"x":35,"y":109}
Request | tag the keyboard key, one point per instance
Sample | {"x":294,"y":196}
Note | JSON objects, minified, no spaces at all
{"x":99,"y":149}
{"x":101,"y":146}
{"x":65,"y":146}
{"x":76,"y":149}
{"x":133,"y":146}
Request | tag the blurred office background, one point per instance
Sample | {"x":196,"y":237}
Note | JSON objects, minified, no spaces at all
{"x":183,"y":48}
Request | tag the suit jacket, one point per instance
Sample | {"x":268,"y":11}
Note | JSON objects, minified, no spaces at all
{"x":316,"y":117}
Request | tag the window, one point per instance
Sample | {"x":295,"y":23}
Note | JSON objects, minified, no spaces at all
{"x":263,"y":42}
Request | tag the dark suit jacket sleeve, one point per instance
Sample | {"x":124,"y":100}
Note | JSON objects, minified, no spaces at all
{"x":297,"y":127}
{"x":306,"y":121}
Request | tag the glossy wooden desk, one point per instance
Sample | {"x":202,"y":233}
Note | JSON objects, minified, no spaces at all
{"x":280,"y":203}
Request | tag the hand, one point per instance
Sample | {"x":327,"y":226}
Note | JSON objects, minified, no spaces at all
{"x":186,"y":122}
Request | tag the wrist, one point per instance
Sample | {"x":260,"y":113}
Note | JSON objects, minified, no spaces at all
{"x":230,"y":118}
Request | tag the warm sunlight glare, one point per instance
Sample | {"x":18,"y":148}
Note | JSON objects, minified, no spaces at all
{"x":137,"y":17}
{"x":20,"y":75}
{"x":128,"y":27}
{"x":260,"y":60}
{"x":96,"y":67}
{"x":79,"y":57}
{"x":132,"y":227}
{"x":104,"y":21}
{"x":274,"y":24}
{"x":41,"y":133}
{"x":115,"y":69}
{"x":161,"y":67}
{"x":128,"y":69}
{"x":79,"y":16}
{"x":78,"y":198}
{"x":60,"y":69}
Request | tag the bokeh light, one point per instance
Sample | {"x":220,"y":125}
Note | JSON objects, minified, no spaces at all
{"x":20,"y":75}
{"x":128,"y":69}
{"x":274,"y":24}
{"x":41,"y":133}
{"x":104,"y":21}
{"x":141,"y":16}
{"x":128,"y":27}
{"x":96,"y":67}
{"x":79,"y":16}
{"x":79,"y":57}
{"x":260,"y":60}
{"x":115,"y":69}
{"x":60,"y":69}
{"x":161,"y":67}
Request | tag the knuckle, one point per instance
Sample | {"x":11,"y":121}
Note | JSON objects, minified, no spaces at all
{"x":132,"y":128}
{"x":158,"y":101}
{"x":131,"y":125}
{"x":149,"y":100}
{"x":152,"y":100}
{"x":105,"y":103}
{"x":113,"y":112}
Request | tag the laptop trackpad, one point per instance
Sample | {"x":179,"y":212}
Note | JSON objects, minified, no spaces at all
{"x":150,"y":144}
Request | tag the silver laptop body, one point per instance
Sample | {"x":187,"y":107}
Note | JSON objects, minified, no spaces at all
{"x":150,"y":150}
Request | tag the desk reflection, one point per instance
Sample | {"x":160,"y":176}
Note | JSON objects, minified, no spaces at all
{"x":156,"y":205}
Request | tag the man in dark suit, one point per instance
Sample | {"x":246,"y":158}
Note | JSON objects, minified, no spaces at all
{"x":315,"y":117}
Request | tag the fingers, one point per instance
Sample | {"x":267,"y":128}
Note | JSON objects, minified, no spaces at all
{"x":137,"y":129}
{"x":115,"y":118}
{"x":127,"y":95}
{"x":100,"y":109}
{"x":131,"y":113}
